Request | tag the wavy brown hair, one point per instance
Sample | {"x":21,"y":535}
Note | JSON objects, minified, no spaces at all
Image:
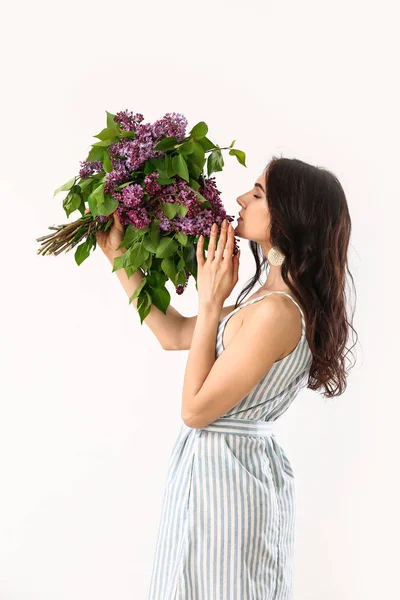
{"x":311,"y":225}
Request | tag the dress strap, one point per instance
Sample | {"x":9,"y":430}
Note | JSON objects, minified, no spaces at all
{"x":303,"y":323}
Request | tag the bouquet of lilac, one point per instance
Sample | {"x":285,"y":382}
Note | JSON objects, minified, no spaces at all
{"x":152,"y":175}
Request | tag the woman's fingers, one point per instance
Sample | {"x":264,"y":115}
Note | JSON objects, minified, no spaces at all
{"x":212,"y":243}
{"x":230,"y":241}
{"x":222,"y":241}
{"x":117,"y":222}
{"x":236,"y":266}
{"x":199,"y":251}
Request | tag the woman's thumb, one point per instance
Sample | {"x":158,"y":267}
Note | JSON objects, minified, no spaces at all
{"x":117,"y":222}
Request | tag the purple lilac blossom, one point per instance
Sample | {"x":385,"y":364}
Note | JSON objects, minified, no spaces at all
{"x":127,"y":120}
{"x":89,"y":168}
{"x":132,"y":195}
{"x":171,"y":125}
{"x":150,"y":183}
{"x":137,"y":217}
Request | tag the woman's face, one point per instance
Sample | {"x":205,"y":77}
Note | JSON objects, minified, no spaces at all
{"x":254,"y":211}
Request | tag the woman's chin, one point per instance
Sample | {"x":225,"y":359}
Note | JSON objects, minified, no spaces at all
{"x":237,"y":231}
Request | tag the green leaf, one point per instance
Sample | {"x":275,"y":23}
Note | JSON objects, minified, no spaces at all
{"x":198,"y":155}
{"x":149,"y":168}
{"x":181,"y":263}
{"x":200,"y":198}
{"x":189,"y":254}
{"x":182,"y":210}
{"x":147,"y":263}
{"x":108,"y":133}
{"x":127,"y":134}
{"x":167,"y":143}
{"x":107,"y":165}
{"x":233,"y":143}
{"x":71,"y":202}
{"x":186,"y":148}
{"x":239,"y":155}
{"x":143,"y":305}
{"x":97,"y":195}
{"x":82,"y":252}
{"x":182,"y":239}
{"x":194,"y":169}
{"x":181,"y":277}
{"x":194,"y":184}
{"x":96,"y":153}
{"x":132,"y":234}
{"x":166,"y":247}
{"x":161,"y":298}
{"x":155,"y":232}
{"x":103,"y":143}
{"x":140,"y":255}
{"x":180,"y":167}
{"x":199,"y":131}
{"x":138,"y":290}
{"x":155,"y":279}
{"x":123,"y":185}
{"x":110,"y":120}
{"x":162,"y":181}
{"x":169,"y":267}
{"x":207,"y":144}
{"x":119,"y":262}
{"x":65,"y":187}
{"x":108,"y":206}
{"x":170,"y":209}
{"x":149,"y":245}
{"x":168,"y":167}
{"x":158,"y":163}
{"x":134,"y":256}
{"x":215,"y":162}
{"x":84,"y":183}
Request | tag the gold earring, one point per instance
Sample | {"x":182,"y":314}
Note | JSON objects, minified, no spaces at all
{"x":275,"y":257}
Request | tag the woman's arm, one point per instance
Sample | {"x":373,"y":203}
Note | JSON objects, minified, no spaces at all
{"x":173,"y":330}
{"x":187,"y":325}
{"x":166,"y":327}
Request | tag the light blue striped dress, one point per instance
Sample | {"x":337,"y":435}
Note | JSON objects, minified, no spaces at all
{"x":226,"y":530}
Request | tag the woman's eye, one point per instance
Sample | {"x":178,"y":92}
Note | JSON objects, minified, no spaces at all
{"x":256,"y":196}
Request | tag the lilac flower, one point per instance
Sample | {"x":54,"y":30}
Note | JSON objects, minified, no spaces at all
{"x":151,"y":185}
{"x":132,"y":195}
{"x":137,"y":217}
{"x":118,"y":176}
{"x":127,"y":120}
{"x":172,"y":124}
{"x":89,"y":168}
{"x":141,"y":148}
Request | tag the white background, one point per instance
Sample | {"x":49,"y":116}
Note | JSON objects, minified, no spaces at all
{"x":90,"y":403}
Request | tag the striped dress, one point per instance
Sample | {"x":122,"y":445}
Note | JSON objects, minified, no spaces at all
{"x":226,"y":530}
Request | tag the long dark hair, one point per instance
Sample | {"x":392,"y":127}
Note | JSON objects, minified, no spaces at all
{"x":311,"y":225}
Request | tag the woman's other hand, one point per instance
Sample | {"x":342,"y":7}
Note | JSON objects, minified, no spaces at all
{"x":218,"y":274}
{"x":110,"y":240}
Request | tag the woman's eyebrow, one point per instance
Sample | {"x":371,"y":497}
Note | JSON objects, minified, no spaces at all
{"x":260,"y":186}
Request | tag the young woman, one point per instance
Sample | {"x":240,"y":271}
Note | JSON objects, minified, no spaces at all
{"x":226,"y":528}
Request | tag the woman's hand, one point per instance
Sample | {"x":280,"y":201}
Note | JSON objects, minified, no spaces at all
{"x":218,"y":274}
{"x":110,"y":240}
